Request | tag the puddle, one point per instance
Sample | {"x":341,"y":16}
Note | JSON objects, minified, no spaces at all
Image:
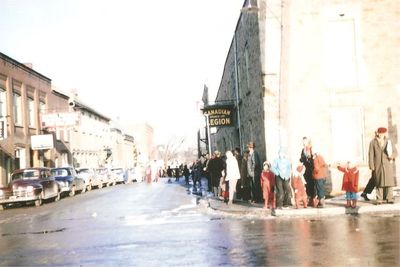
{"x":38,"y":232}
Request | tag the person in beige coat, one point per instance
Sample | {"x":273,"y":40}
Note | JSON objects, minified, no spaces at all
{"x":232,"y":174}
{"x":382,"y":154}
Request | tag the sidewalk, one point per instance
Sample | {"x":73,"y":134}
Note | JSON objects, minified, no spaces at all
{"x":333,"y":206}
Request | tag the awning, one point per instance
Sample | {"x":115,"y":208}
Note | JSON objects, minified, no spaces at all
{"x":7,"y":147}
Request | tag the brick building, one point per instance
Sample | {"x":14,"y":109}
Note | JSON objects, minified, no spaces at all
{"x":324,"y":69}
{"x":23,"y":93}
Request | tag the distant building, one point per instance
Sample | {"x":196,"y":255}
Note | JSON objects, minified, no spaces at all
{"x":143,"y":134}
{"x":323,"y":69}
{"x":23,"y":94}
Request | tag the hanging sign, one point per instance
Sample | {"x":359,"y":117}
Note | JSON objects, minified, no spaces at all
{"x":219,"y":115}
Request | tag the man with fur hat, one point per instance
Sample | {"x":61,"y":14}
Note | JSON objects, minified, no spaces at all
{"x":381,"y":156}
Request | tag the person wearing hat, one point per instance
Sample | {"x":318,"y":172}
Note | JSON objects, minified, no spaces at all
{"x":254,"y":169}
{"x":381,"y":155}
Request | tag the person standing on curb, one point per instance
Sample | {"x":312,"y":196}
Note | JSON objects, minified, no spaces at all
{"x":320,"y":173}
{"x":238,"y":156}
{"x":232,"y":174}
{"x":282,"y":169}
{"x":350,"y":183}
{"x":268,"y":186}
{"x":246,"y":189}
{"x":306,"y":158}
{"x":381,"y":162}
{"x":215,"y":168}
{"x":254,"y":172}
{"x":206,"y":173}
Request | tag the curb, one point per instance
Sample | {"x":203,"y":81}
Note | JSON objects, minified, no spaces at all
{"x":332,"y":208}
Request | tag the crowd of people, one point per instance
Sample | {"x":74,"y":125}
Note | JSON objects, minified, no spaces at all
{"x":234,"y":176}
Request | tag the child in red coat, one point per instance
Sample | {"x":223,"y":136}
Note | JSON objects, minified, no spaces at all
{"x":298,"y":183}
{"x":268,"y":185}
{"x":350,"y":183}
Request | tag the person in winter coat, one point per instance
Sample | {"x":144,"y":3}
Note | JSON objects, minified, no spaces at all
{"x":350,"y":183}
{"x":298,"y":185}
{"x":186,"y":173}
{"x":245,"y":179}
{"x":254,"y":169}
{"x":306,"y":158}
{"x":215,"y":168}
{"x":268,"y":186}
{"x":382,"y":154}
{"x":282,"y":169}
{"x":232,"y":174}
{"x":320,"y":173}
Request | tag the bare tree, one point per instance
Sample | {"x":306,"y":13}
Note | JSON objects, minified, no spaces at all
{"x":171,"y":149}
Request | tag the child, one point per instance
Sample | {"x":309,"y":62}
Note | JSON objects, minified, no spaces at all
{"x":350,"y":183}
{"x":267,"y":185}
{"x":298,"y":183}
{"x":320,"y":173}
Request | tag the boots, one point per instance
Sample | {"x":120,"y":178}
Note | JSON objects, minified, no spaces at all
{"x":354,"y":203}
{"x":321,"y":203}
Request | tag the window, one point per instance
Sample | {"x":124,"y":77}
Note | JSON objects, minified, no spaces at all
{"x":17,"y":108}
{"x":42,"y":106}
{"x":31,"y":112}
{"x":3,"y":103}
{"x":341,"y":71}
{"x":246,"y":62}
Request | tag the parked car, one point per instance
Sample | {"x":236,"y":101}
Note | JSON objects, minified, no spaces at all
{"x":30,"y":185}
{"x":119,"y":175}
{"x":68,"y":180}
{"x":106,"y":176}
{"x":91,"y":178}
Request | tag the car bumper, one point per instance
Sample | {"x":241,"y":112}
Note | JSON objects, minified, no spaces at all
{"x":15,"y":199}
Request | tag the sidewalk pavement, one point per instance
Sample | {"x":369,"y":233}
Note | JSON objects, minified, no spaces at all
{"x":333,"y":206}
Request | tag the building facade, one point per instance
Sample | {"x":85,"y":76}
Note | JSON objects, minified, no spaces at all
{"x":23,"y":94}
{"x":323,"y":69}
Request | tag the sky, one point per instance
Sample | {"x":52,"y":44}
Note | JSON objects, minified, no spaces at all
{"x":139,"y":61}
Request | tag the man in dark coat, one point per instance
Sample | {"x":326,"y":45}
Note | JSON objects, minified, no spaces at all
{"x":381,"y":162}
{"x":215,"y":168}
{"x":306,"y":158}
{"x":254,"y":171}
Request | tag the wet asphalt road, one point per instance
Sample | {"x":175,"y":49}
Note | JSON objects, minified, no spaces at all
{"x":162,"y":225}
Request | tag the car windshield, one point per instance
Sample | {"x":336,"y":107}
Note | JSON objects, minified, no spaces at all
{"x":26,"y":175}
{"x":118,"y":171}
{"x":60,"y":172}
{"x":82,"y":171}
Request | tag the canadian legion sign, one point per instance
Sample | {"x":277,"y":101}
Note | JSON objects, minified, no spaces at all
{"x":219,"y":115}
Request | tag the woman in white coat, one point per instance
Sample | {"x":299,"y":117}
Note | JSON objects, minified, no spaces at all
{"x":232,"y":174}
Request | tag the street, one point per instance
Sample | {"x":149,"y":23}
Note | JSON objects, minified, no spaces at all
{"x":163,"y":224}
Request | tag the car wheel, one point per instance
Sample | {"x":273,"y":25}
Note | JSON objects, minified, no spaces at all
{"x":58,"y":197}
{"x":83,"y":189}
{"x":39,"y":201}
{"x":72,"y":192}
